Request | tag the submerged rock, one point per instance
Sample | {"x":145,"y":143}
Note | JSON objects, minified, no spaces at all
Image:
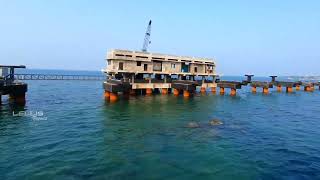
{"x":215,"y":122}
{"x":193,"y":125}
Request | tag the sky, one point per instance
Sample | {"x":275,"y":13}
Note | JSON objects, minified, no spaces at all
{"x":268,"y":37}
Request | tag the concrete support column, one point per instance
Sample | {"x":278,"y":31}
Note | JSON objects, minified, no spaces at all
{"x":289,"y":90}
{"x":106,"y":94}
{"x":113,"y":96}
{"x":213,"y":90}
{"x":307,"y":88}
{"x":254,"y":89}
{"x":297,"y":87}
{"x":233,"y":92}
{"x":19,"y":99}
{"x":164,"y":91}
{"x":148,"y":91}
{"x":186,"y":93}
{"x":176,"y":92}
{"x":279,"y":88}
{"x":221,"y":90}
{"x":265,"y":90}
{"x":203,"y":90}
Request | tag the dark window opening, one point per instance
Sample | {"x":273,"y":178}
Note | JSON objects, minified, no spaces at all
{"x":120,"y":65}
{"x":119,"y":55}
{"x":128,"y":55}
{"x":157,"y":65}
{"x":185,"y":67}
{"x":138,"y":63}
{"x":143,"y":57}
{"x":195,"y":69}
{"x":145,"y":67}
{"x":157,"y":58}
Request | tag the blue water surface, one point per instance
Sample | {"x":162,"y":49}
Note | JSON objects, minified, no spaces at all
{"x":81,"y":136}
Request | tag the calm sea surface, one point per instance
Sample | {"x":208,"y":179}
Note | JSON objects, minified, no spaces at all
{"x":70,"y":132}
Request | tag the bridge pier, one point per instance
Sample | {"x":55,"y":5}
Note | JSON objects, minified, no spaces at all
{"x":8,"y":85}
{"x":213,"y":90}
{"x":233,"y":85}
{"x":164,"y":91}
{"x":203,"y":90}
{"x":186,"y":87}
{"x":249,"y":77}
{"x":186,"y":93}
{"x":148,"y":91}
{"x":233,"y":92}
{"x":106,"y":94}
{"x":279,"y":88}
{"x":273,"y":78}
{"x":18,"y":98}
{"x":265,"y":90}
{"x":289,"y":89}
{"x":176,"y":92}
{"x":222,"y":91}
{"x":254,"y":89}
{"x":264,"y":85}
{"x":307,"y":88}
{"x":113,"y":96}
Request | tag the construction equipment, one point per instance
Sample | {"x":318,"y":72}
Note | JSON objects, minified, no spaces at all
{"x":147,"y":41}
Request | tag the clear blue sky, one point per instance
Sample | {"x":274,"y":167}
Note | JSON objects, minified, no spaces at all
{"x":259,"y":37}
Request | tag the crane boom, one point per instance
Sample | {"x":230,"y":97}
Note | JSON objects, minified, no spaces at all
{"x":147,"y":41}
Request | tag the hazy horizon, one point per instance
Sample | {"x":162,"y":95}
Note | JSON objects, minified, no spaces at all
{"x":245,"y":37}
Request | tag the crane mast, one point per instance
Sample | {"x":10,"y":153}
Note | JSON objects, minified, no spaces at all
{"x":147,"y":41}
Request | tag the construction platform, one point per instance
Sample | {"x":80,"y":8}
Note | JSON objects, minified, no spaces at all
{"x":188,"y":88}
{"x":135,"y":72}
{"x":8,"y":85}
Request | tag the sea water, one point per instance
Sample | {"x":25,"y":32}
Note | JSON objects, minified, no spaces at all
{"x":68,"y":131}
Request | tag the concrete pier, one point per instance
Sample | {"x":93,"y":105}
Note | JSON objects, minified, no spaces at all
{"x":232,"y":85}
{"x":248,"y":80}
{"x":9,"y":86}
{"x":264,"y":85}
{"x":308,"y":86}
